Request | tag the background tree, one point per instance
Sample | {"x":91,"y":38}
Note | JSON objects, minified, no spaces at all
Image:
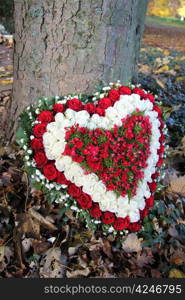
{"x":65,"y":46}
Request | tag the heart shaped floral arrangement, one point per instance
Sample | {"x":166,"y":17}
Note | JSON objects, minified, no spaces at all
{"x":98,"y":155}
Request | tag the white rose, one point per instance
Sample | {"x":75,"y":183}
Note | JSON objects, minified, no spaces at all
{"x":134,"y":215}
{"x":105,"y":123}
{"x":51,"y":127}
{"x":91,"y":125}
{"x":69,"y":113}
{"x":111,"y":113}
{"x":108,"y":201}
{"x":59,"y":117}
{"x":96,"y":119}
{"x":58,"y":149}
{"x":49,"y":139}
{"x":63,"y":163}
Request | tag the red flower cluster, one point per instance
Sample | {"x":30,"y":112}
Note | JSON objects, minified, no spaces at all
{"x":117,"y":156}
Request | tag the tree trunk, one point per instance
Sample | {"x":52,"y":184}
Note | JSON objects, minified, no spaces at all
{"x":65,"y":46}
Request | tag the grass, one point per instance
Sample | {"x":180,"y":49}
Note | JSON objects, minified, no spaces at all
{"x":166,"y":22}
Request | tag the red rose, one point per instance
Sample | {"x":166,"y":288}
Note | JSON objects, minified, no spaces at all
{"x":155,"y":175}
{"x":161,"y":125}
{"x":58,"y":107}
{"x":152,"y":186}
{"x":84,"y":201}
{"x":160,"y":150}
{"x":162,"y":138}
{"x":39,"y":129}
{"x":139,"y":91}
{"x":150,"y":202}
{"x":50,"y":172}
{"x":104,"y":103}
{"x":160,"y":162}
{"x":100,"y":111}
{"x":95,"y":211}
{"x":45,"y":116}
{"x":108,"y":217}
{"x":75,"y":104}
{"x":36,"y":144}
{"x":150,"y":97}
{"x":121,"y":223}
{"x":61,"y":178}
{"x":124,"y":90}
{"x":74,"y":190}
{"x":113,"y":95}
{"x":40,"y":159}
{"x":90,"y":108}
{"x":158,"y":110}
{"x":134,"y":227}
{"x":144,"y":213}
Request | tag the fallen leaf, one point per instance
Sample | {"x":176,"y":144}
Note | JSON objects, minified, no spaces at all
{"x":175,"y":273}
{"x":160,"y":83}
{"x":42,"y":220}
{"x":6,"y":81}
{"x":5,"y":256}
{"x":53,"y":264}
{"x":40,"y":246}
{"x":132,"y":243}
{"x":177,"y":186}
{"x":162,"y":69}
{"x":78,"y":273}
{"x":144,"y":259}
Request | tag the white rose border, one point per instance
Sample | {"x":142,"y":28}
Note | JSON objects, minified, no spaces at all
{"x":54,"y":144}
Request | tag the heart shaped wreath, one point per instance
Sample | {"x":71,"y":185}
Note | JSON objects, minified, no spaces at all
{"x":99,"y":155}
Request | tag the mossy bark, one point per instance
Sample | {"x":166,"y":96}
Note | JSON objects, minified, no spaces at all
{"x":65,"y":46}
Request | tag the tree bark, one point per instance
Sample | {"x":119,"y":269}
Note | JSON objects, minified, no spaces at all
{"x":67,"y":46}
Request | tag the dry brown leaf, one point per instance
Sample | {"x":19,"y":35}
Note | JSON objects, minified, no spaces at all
{"x":53,"y":264}
{"x":5,"y":256}
{"x":178,"y":257}
{"x":144,"y":259}
{"x":26,"y":225}
{"x":44,"y":221}
{"x":144,"y":69}
{"x":40,"y":247}
{"x":160,"y":83}
{"x":175,"y":273}
{"x":78,"y":273}
{"x":177,"y":186}
{"x":6,"y":81}
{"x":132,"y":243}
{"x":162,"y":69}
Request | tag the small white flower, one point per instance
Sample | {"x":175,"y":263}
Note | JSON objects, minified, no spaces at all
{"x":51,"y":240}
{"x":102,"y":96}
